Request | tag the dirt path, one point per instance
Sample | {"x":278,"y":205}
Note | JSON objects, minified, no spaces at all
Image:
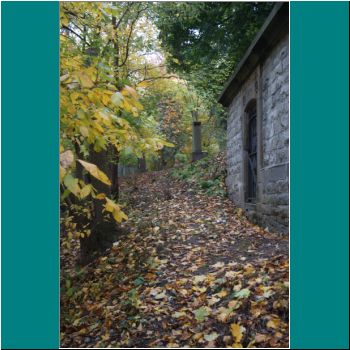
{"x":192,"y":271}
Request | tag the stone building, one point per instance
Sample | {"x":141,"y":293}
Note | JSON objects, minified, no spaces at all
{"x":257,"y":97}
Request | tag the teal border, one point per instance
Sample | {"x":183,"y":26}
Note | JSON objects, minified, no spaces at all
{"x":319,"y":175}
{"x":30,"y":184}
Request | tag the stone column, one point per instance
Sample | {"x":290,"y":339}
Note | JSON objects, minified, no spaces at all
{"x":196,"y":141}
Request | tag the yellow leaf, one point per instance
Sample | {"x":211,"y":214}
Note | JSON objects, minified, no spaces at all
{"x":94,"y":97}
{"x":132,"y":92}
{"x":98,"y":127}
{"x":105,"y":117}
{"x":101,"y":196}
{"x":114,"y":208}
{"x":222,"y":293}
{"x":237,"y":345}
{"x":274,"y":323}
{"x":105,"y":337}
{"x":74,"y":96}
{"x":122,"y":122}
{"x":95,"y":172}
{"x":236,"y":331}
{"x":119,"y":215}
{"x":105,"y":99}
{"x":62,"y":172}
{"x":91,"y":72}
{"x":127,"y":106}
{"x":173,"y":345}
{"x":167,"y":144}
{"x":85,"y":80}
{"x":64,"y":20}
{"x":85,"y":191}
{"x":143,"y":84}
{"x":84,"y":131}
{"x":83,"y":331}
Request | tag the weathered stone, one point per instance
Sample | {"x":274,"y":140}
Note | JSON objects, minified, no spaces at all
{"x":277,"y":172}
{"x":272,"y":207}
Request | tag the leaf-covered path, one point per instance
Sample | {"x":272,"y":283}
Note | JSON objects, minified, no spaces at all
{"x":189,"y":271}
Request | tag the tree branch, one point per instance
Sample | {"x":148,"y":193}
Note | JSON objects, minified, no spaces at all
{"x":144,"y":68}
{"x":76,"y":34}
{"x":160,"y":77}
{"x":130,"y":34}
{"x":123,"y":15}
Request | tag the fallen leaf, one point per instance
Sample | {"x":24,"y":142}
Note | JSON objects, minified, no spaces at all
{"x":230,"y":274}
{"x":160,"y":296}
{"x":222,"y":293}
{"x":201,"y":313}
{"x":260,"y":338}
{"x":234,"y":304}
{"x":199,"y":279}
{"x":243,"y":293}
{"x":273,"y":323}
{"x":224,"y":314}
{"x":218,"y":265}
{"x":211,"y":336}
{"x":237,"y":332}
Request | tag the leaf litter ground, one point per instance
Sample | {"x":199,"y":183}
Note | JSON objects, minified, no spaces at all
{"x":190,"y":271}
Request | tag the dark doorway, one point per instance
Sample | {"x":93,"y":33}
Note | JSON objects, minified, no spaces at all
{"x":252,"y":153}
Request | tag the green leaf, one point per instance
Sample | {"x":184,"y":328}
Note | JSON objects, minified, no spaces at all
{"x":139,"y":281}
{"x":72,"y":184}
{"x":211,"y":336}
{"x":201,"y":313}
{"x":244,"y":293}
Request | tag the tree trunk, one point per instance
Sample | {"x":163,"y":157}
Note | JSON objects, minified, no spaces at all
{"x":142,"y":164}
{"x":114,"y":159}
{"x":104,"y":230}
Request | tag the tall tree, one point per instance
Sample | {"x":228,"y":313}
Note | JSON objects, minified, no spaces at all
{"x":99,"y":113}
{"x":207,"y":39}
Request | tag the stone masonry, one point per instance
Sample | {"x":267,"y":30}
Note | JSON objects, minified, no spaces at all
{"x":267,"y":85}
{"x":272,"y":207}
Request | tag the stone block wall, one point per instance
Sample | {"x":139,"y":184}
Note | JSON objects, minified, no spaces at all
{"x":268,"y":85}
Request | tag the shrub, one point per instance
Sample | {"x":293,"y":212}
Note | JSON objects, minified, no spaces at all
{"x":181,"y":158}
